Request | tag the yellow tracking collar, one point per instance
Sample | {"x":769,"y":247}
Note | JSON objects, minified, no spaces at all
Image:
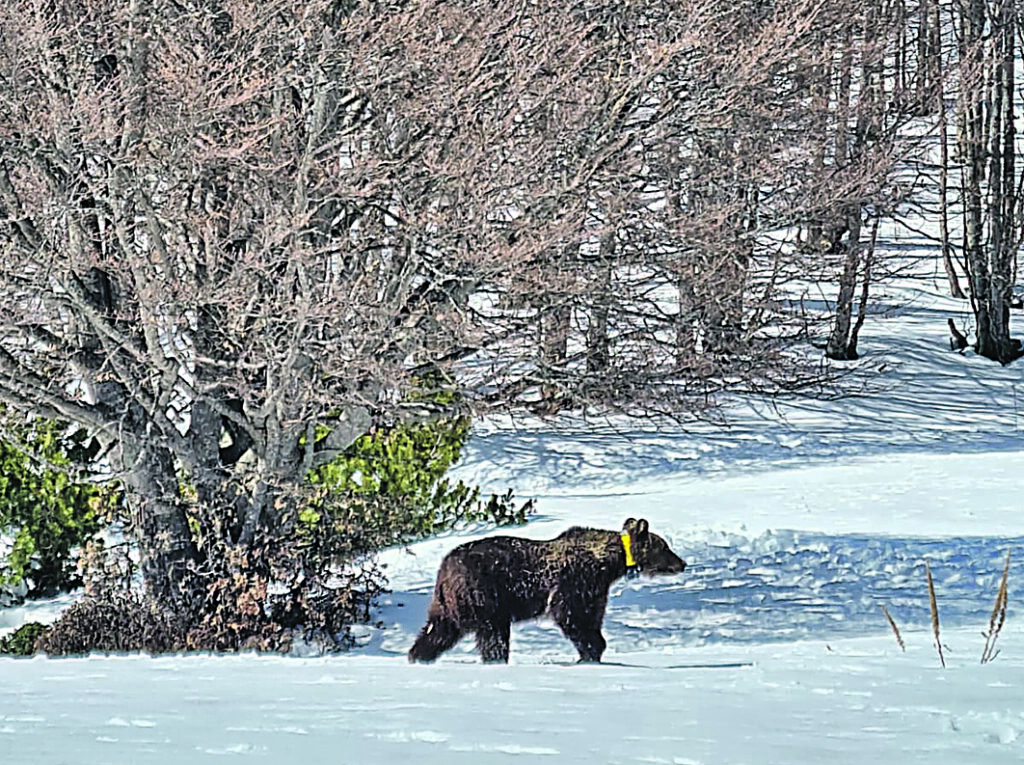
{"x":632,"y":569}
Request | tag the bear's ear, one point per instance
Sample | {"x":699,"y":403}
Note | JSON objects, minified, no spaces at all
{"x":638,"y":530}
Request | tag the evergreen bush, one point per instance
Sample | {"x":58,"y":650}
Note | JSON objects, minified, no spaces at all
{"x":390,"y":486}
{"x":46,"y":507}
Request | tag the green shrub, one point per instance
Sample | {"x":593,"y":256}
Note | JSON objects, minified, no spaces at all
{"x":22,"y":642}
{"x":48,"y":509}
{"x":390,"y":486}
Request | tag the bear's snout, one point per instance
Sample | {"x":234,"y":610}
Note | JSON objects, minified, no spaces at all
{"x":676,"y":566}
{"x":658,"y":558}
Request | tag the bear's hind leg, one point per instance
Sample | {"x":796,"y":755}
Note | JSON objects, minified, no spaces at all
{"x":492,"y":641}
{"x":437,"y":636}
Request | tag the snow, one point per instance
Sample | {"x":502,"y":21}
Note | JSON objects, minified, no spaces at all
{"x":799,"y":520}
{"x":857,"y":700}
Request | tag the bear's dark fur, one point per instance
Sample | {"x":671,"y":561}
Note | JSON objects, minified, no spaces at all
{"x":485,"y":585}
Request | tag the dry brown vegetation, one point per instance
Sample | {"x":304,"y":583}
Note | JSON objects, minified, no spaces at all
{"x":934,"y":609}
{"x":998,"y":618}
{"x":995,"y":625}
{"x":894,"y":628}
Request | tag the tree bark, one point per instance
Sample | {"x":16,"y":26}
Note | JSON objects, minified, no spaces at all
{"x":991,"y":184}
{"x":862,"y":307}
{"x":598,"y":340}
{"x":947,"y":257}
{"x":159,"y":522}
{"x":839,"y":346}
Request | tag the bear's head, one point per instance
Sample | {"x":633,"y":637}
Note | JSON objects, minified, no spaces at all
{"x":652,"y":553}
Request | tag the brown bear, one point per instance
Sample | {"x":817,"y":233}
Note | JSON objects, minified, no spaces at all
{"x":485,"y":585}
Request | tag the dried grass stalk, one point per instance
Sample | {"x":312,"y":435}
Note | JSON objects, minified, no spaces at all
{"x":935,"y":613}
{"x":998,"y":618}
{"x":895,"y":629}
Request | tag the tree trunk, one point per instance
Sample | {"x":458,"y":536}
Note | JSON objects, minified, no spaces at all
{"x":554,"y":324}
{"x":947,"y":258}
{"x":598,"y":341}
{"x":821,"y":91}
{"x":988,"y":139}
{"x":686,"y":320}
{"x":921,"y":79}
{"x":158,"y":517}
{"x":839,"y":346}
{"x":862,"y":308}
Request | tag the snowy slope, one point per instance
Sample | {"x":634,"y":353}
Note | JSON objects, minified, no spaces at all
{"x":854,"y":701}
{"x":790,"y":562}
{"x":782,"y":554}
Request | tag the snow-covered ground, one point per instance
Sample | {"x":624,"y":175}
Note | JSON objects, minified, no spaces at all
{"x":799,"y":521}
{"x":853,"y":701}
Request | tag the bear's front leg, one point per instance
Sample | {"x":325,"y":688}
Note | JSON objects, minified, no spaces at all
{"x":492,"y":641}
{"x":581,"y":623}
{"x":590,"y":644}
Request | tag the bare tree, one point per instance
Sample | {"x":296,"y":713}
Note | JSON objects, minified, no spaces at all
{"x":986,"y":146}
{"x":696,"y":271}
{"x":873,"y":103}
{"x":232,"y":223}
{"x":225,"y":224}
